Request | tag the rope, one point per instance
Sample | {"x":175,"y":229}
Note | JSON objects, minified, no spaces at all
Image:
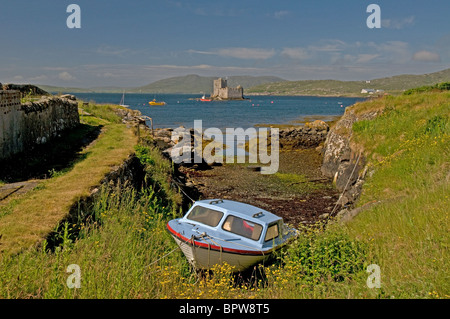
{"x":177,"y":181}
{"x":162,"y":257}
{"x":345,"y":188}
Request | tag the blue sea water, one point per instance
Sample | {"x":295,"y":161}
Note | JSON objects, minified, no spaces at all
{"x":183,"y":109}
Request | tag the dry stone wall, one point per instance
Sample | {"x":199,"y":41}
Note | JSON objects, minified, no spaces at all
{"x":23,"y":126}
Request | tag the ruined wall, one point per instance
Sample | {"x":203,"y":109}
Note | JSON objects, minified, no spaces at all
{"x":23,"y":126}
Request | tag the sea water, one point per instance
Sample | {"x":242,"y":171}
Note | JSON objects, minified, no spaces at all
{"x":183,"y":109}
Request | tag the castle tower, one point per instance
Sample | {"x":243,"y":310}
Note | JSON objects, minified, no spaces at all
{"x":219,"y":84}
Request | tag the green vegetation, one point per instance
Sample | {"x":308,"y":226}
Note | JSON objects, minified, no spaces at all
{"x":408,"y":149}
{"x":428,"y":88}
{"x":103,"y":112}
{"x":190,"y":84}
{"x":391,"y":85}
{"x":34,"y":215}
{"x":126,"y":252}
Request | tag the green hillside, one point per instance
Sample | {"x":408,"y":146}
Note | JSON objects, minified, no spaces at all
{"x":199,"y":84}
{"x":392,"y":85}
{"x":64,"y":90}
{"x":180,"y":84}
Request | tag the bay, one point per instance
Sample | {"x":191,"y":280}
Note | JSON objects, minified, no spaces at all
{"x":183,"y":109}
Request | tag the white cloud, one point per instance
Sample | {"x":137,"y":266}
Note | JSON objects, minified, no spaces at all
{"x":328,"y":46}
{"x":365,"y":58}
{"x":247,"y":53}
{"x":426,"y":56}
{"x":392,"y":51}
{"x":240,"y":53}
{"x":18,"y":78}
{"x":37,"y":79}
{"x":199,"y":68}
{"x":296,"y":53}
{"x":281,"y":14}
{"x":65,"y":76}
{"x":398,"y":23}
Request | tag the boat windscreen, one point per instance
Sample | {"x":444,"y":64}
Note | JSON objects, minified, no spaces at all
{"x":272,"y":232}
{"x":242,"y":227}
{"x":205,"y":216}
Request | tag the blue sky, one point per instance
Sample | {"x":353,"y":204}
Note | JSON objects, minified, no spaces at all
{"x":133,"y":43}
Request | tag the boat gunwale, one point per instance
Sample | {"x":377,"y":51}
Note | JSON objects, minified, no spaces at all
{"x":191,"y":241}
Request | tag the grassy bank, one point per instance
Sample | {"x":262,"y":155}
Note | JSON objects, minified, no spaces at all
{"x":28,"y":219}
{"x":408,"y":150}
{"x":127,"y":253}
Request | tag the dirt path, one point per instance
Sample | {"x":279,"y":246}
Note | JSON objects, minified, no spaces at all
{"x":298,"y":192}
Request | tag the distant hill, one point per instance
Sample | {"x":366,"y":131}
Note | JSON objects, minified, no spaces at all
{"x":25,"y":89}
{"x":181,"y":84}
{"x":58,"y":89}
{"x":199,"y":84}
{"x":392,"y":85}
{"x":271,"y":85}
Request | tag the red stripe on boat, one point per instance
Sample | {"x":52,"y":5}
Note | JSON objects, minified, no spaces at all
{"x":224,"y":249}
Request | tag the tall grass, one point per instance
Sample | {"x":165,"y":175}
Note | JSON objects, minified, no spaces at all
{"x":408,"y":148}
{"x":126,"y":252}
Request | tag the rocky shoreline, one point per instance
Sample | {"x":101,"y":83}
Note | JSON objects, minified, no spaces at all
{"x":298,"y":191}
{"x":333,"y":171}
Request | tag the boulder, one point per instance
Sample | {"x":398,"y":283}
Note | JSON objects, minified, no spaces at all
{"x":317,"y":125}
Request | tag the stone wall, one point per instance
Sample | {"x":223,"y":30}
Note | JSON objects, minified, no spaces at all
{"x":24,"y":125}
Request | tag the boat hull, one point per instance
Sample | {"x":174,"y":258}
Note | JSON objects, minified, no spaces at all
{"x":156,"y":103}
{"x":205,"y":258}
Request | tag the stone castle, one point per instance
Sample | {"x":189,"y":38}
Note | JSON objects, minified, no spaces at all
{"x":223,"y":92}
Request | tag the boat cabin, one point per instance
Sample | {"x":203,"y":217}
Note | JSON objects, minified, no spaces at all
{"x":241,"y":221}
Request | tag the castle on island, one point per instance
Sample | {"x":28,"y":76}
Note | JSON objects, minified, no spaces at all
{"x":223,"y":92}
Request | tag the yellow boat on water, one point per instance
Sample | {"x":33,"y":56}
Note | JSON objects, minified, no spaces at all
{"x":154,"y":102}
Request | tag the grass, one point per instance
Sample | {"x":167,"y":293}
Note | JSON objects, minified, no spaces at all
{"x":393,"y":85}
{"x":125,"y":251}
{"x":36,"y":214}
{"x":408,"y":152}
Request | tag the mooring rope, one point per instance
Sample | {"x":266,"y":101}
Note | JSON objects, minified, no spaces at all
{"x":162,"y":257}
{"x":180,"y":184}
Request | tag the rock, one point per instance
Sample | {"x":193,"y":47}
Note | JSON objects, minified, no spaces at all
{"x":69,"y":97}
{"x":317,"y":125}
{"x":323,"y":216}
{"x":342,"y":160}
{"x":310,"y":135}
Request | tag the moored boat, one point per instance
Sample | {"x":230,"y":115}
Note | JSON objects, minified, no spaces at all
{"x":122,"y":101}
{"x":218,"y":231}
{"x":154,"y":102}
{"x":205,"y":99}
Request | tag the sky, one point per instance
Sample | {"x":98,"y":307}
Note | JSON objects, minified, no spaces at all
{"x":134,"y":43}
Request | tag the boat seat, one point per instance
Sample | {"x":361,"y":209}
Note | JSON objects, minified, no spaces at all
{"x":227,"y":225}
